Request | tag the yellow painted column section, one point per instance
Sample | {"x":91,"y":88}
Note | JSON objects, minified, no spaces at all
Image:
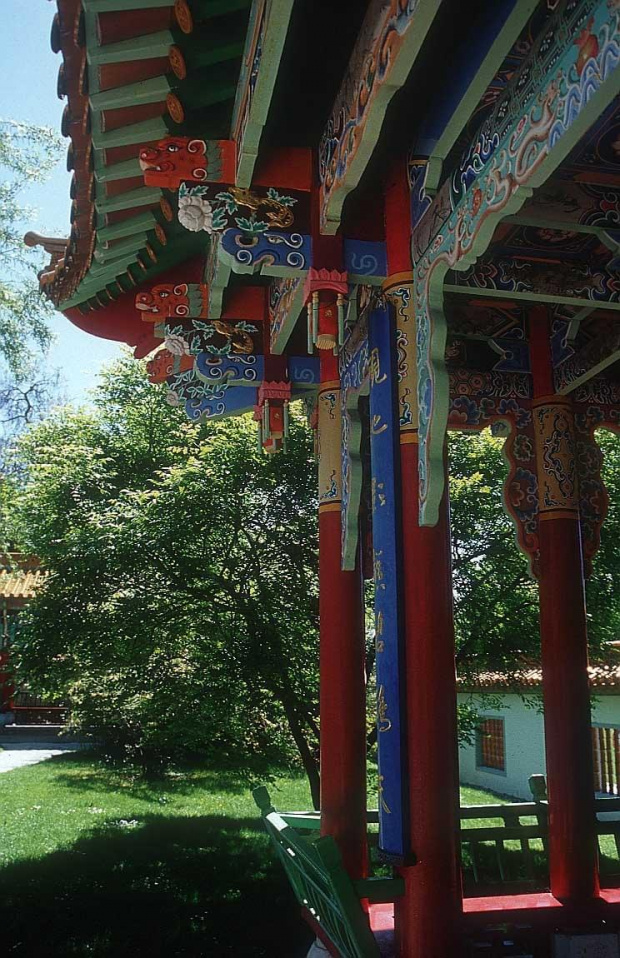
{"x":329,"y":446}
{"x":398,"y":290}
{"x":556,"y":455}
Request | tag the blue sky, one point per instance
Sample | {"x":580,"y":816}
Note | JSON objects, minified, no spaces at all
{"x":28,"y":92}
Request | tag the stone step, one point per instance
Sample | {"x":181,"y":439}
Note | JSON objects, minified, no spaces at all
{"x":37,"y":733}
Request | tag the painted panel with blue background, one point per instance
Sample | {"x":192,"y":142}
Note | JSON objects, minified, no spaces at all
{"x":384,"y":450}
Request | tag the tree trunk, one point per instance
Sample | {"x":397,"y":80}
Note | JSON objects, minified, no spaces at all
{"x":309,"y":761}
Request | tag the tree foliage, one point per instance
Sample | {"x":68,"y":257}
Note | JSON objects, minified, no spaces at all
{"x":27,"y":154}
{"x":180,"y":611}
{"x":496,"y":601}
{"x":603,"y":596}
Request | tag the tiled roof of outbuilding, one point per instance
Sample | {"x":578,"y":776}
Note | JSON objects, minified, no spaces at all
{"x":19,"y":585}
{"x":602,"y":677}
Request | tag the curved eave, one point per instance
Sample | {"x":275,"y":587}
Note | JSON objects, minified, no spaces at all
{"x":119,"y":321}
{"x":122,"y":92}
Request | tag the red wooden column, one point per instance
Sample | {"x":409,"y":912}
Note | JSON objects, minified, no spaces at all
{"x":343,"y":681}
{"x":428,"y":916}
{"x":564,"y":638}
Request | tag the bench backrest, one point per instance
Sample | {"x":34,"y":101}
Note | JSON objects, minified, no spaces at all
{"x":320,"y":883}
{"x":513,"y":848}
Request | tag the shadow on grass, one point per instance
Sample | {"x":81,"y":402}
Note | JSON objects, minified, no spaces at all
{"x":95,"y":773}
{"x":177,"y":887}
{"x":489,"y":868}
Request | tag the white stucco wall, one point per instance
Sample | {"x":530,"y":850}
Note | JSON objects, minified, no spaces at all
{"x":524,"y":743}
{"x":524,"y":749}
{"x":606,"y":709}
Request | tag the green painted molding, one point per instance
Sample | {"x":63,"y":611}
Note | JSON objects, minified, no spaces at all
{"x":143,"y":196}
{"x":216,"y":276}
{"x":219,"y":8}
{"x":118,"y":171}
{"x":91,"y":286}
{"x":132,"y":244}
{"x":280,"y":342}
{"x":365,"y":279}
{"x":207,"y":88}
{"x":218,"y":46}
{"x":92,"y":43}
{"x":362,"y":138}
{"x":136,"y":224}
{"x":86,"y":290}
{"x":529,"y":218}
{"x":136,"y":133}
{"x":137,"y":48}
{"x":107,"y":6}
{"x":100,"y":273}
{"x":530,"y":296}
{"x":500,"y":48}
{"x":154,"y":90}
{"x":593,"y":367}
{"x":269,"y":22}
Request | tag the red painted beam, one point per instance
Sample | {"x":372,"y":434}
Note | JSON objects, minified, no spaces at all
{"x":431,"y":907}
{"x":287,"y":168}
{"x":564,"y":646}
{"x":429,"y":913}
{"x":245,"y":302}
{"x":121,"y":322}
{"x":342,"y":654}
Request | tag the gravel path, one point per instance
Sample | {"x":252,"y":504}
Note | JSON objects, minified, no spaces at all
{"x":18,"y":754}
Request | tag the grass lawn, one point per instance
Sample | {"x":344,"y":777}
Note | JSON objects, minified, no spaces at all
{"x":94,"y":862}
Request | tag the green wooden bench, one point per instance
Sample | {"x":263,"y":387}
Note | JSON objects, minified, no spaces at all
{"x":331,"y":902}
{"x":512,"y":854}
{"x":606,"y":828}
{"x":508,"y":857}
{"x":503,"y":854}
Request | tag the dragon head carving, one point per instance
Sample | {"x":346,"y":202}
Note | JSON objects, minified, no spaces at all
{"x":164,"y":301}
{"x":172,"y":160}
{"x":164,"y":364}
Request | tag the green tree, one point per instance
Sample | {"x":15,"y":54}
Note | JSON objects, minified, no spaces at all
{"x":180,"y":610}
{"x":603,"y":596}
{"x":27,"y":155}
{"x":496,"y":601}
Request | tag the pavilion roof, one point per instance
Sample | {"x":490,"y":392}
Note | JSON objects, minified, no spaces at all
{"x":131,"y":77}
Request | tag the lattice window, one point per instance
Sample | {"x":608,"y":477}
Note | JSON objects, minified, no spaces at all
{"x":606,"y":750}
{"x":491,"y":751}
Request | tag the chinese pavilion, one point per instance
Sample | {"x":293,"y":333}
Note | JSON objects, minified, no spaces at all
{"x":407,"y":214}
{"x":20,"y":577}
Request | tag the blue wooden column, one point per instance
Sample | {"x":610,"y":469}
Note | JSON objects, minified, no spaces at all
{"x":390,"y":670}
